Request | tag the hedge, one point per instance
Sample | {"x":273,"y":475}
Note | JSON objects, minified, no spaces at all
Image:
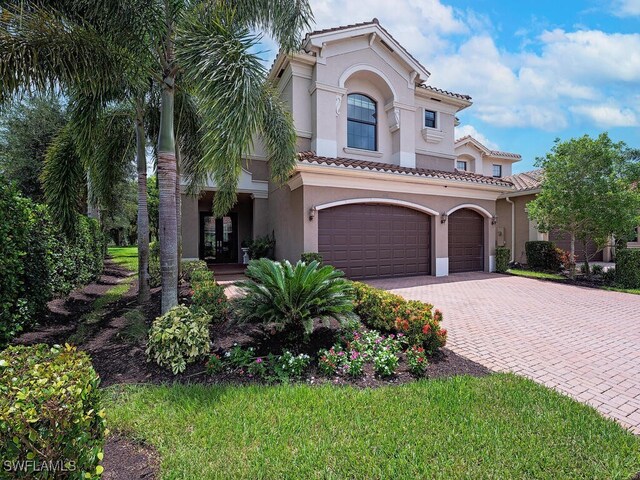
{"x":38,"y":262}
{"x":543,"y":256}
{"x":628,"y":268}
{"x":51,"y":422}
{"x":503,"y":255}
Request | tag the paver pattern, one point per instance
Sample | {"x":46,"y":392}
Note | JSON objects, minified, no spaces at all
{"x":580,"y":341}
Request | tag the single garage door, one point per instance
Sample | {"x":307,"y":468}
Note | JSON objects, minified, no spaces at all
{"x":563,"y":241}
{"x":466,"y":241}
{"x":374,"y":241}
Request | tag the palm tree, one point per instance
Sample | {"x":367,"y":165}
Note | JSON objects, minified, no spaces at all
{"x":207,"y":45}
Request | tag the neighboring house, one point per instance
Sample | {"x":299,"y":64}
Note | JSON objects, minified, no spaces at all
{"x":512,"y":210}
{"x":379,"y":188}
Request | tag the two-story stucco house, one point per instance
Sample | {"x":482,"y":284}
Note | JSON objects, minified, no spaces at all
{"x":381,"y":187}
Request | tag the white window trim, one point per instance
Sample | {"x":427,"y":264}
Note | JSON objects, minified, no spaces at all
{"x":501,"y":170}
{"x":466,"y":165}
{"x":424,"y":123}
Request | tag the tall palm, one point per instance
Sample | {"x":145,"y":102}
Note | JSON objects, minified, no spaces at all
{"x":209,"y":44}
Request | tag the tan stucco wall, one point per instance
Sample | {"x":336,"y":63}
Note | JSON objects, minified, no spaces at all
{"x":434,"y":163}
{"x":286,"y":216}
{"x":522,"y":230}
{"x":190,"y":226}
{"x":259,"y":169}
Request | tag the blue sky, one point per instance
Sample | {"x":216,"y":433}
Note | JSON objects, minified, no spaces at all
{"x":536,"y":70}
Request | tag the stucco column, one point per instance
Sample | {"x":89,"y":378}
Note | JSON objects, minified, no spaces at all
{"x":190,"y":227}
{"x":326,"y":105}
{"x":490,"y":245}
{"x":260,"y":217}
{"x":440,"y":241}
{"x":407,"y":153}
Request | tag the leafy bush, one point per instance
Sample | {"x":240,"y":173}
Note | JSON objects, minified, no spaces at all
{"x":214,"y":364}
{"x":628,"y":268}
{"x":179,"y":337}
{"x":210,"y":297}
{"x":262,"y":247}
{"x":388,"y":312}
{"x":385,"y":362}
{"x":50,"y":411}
{"x":308,"y":257}
{"x":330,"y":360}
{"x":289,"y":366}
{"x":503,"y":256}
{"x":188,"y":267}
{"x":38,"y":261}
{"x":238,"y":357}
{"x":417,"y":360}
{"x":199,"y":276}
{"x":597,"y":269}
{"x":542,"y":256}
{"x":155,"y":274}
{"x":292,"y":297}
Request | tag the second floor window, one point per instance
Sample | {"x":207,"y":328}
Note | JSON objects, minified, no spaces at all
{"x":430,"y":119}
{"x":497,"y":171}
{"x":361,"y":122}
{"x":461,"y":165}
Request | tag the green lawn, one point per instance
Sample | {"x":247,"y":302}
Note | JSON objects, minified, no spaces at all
{"x":125,"y":256}
{"x":532,"y":274}
{"x":634,"y":291}
{"x":501,"y":426}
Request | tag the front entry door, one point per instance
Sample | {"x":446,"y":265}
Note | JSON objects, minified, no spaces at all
{"x":219,"y":238}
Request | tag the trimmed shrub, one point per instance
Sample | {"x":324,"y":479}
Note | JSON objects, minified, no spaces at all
{"x":50,"y":412}
{"x":503,"y":256}
{"x":628,"y":268}
{"x":609,"y":276}
{"x":388,"y":312}
{"x":179,"y":337}
{"x":597,"y":269}
{"x":210,"y":297}
{"x":190,"y":266}
{"x":308,"y":257}
{"x":542,"y":256}
{"x":38,"y":262}
{"x":262,"y":247}
{"x":199,"y":276}
{"x":291,"y":297}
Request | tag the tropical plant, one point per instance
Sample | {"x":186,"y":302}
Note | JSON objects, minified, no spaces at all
{"x":178,"y":337}
{"x":291,"y":297}
{"x":208,"y":48}
{"x":417,"y":360}
{"x":210,"y":297}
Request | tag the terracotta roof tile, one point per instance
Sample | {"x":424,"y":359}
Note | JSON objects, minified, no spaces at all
{"x":527,"y":180}
{"x":445,"y":92}
{"x":312,"y":158}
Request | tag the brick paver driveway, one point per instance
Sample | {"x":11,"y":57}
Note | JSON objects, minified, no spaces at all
{"x":582,"y":342}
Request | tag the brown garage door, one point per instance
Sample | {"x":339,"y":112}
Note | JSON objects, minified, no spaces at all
{"x":563,"y":241}
{"x":373,"y":241}
{"x":466,"y":241}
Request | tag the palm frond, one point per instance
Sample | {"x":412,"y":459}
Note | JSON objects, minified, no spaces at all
{"x":63,"y":180}
{"x":278,"y":135}
{"x":42,"y":49}
{"x":215,"y":54}
{"x":284,"y":20}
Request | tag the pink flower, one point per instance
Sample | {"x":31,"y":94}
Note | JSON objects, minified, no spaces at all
{"x":259,"y":360}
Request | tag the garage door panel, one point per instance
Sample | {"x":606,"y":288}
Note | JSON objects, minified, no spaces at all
{"x":379,"y":240}
{"x":563,"y":241}
{"x":466,"y":241}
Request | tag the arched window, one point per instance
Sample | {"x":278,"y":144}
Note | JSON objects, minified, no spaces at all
{"x":361,"y":122}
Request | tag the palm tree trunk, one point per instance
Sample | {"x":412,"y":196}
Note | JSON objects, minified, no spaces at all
{"x":144,"y":292}
{"x":93,"y":211}
{"x":178,"y":211}
{"x":168,"y":226}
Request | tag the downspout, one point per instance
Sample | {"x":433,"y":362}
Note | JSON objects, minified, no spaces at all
{"x":513,"y":227}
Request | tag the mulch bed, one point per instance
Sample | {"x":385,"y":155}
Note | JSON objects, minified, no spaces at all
{"x":120,"y":362}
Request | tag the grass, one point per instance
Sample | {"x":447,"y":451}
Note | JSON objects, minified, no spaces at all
{"x":532,"y":274}
{"x":500,"y":426}
{"x":135,"y":329}
{"x":125,"y":256}
{"x":633,"y":291}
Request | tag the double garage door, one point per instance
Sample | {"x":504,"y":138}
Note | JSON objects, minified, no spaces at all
{"x":378,"y":241}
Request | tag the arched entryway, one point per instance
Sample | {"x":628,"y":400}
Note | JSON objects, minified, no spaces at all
{"x":373,"y":240}
{"x":466,"y":241}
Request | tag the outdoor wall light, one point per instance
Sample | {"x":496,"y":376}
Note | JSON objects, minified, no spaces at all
{"x":443,"y":217}
{"x":494,"y":220}
{"x":312,"y":213}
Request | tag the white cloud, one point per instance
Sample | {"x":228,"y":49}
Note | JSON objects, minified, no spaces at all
{"x":626,"y":8}
{"x":464,"y":130}
{"x":608,"y":115}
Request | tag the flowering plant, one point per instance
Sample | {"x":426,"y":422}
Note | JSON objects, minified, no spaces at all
{"x":385,"y":362}
{"x":288,"y":365}
{"x":258,"y":368}
{"x":353,"y":364}
{"x":330,"y":360}
{"x":417,"y":360}
{"x":214,"y":364}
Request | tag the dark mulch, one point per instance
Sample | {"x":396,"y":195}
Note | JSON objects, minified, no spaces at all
{"x":125,"y":459}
